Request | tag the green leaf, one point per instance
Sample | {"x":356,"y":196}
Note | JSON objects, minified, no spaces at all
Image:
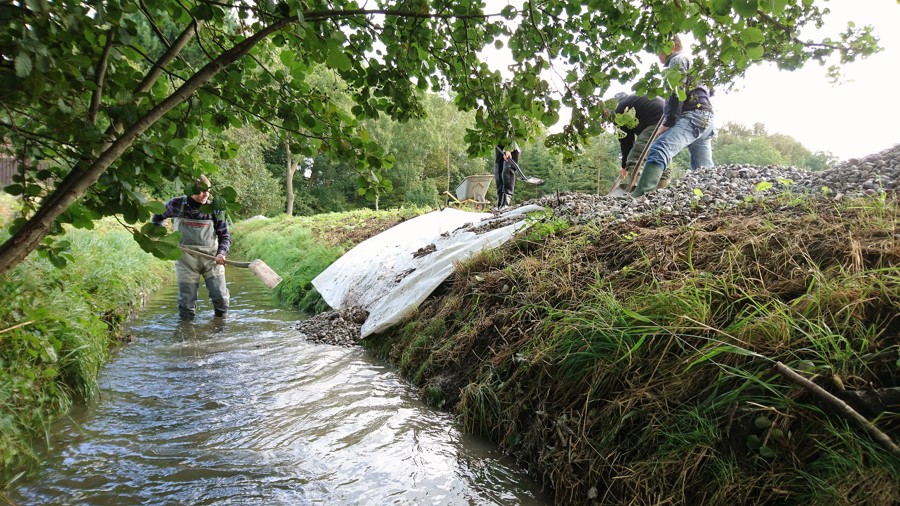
{"x":23,"y":65}
{"x":753,"y":442}
{"x":763,"y":186}
{"x":13,"y":189}
{"x":746,"y":8}
{"x":766,"y":452}
{"x":155,"y":207}
{"x":336,"y":57}
{"x":721,"y":7}
{"x":287,"y":57}
{"x":752,"y":35}
{"x":718,"y":350}
{"x":755,"y":51}
{"x":773,"y":6}
{"x":636,"y":316}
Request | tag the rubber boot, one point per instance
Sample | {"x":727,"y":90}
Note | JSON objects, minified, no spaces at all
{"x":662,"y":184}
{"x":649,"y":179}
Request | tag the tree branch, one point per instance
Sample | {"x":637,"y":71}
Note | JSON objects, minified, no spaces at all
{"x":100,"y":77}
{"x":840,"y":406}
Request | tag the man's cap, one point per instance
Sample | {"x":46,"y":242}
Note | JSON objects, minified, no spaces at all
{"x":620,"y":95}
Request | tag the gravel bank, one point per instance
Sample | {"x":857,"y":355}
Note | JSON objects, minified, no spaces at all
{"x":699,"y":193}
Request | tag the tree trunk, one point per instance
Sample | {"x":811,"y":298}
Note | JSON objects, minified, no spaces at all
{"x":289,"y":183}
{"x":77,"y":182}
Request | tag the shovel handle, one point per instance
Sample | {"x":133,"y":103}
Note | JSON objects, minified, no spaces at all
{"x":638,"y":167}
{"x":213,"y":257}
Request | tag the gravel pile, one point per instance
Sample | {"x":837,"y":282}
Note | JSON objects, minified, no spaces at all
{"x":697,"y":194}
{"x":700,"y":192}
{"x":336,"y":327}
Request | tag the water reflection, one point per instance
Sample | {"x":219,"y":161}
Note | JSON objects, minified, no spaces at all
{"x":238,"y":410}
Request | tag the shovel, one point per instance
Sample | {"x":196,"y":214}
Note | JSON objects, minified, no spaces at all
{"x":522,"y":176}
{"x":617,"y":189}
{"x":257,"y":267}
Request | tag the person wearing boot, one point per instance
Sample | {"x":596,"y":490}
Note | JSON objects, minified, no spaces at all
{"x":648,"y":113}
{"x":686,"y":124}
{"x":203,"y":232}
{"x":505,"y":173}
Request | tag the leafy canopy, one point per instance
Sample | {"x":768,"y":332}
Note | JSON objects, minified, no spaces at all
{"x":104,"y":101}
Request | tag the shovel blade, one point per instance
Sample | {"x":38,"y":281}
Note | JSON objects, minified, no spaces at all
{"x":617,"y":191}
{"x":265,"y":273}
{"x":532,"y":180}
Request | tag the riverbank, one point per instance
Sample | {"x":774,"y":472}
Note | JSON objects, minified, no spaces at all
{"x":635,"y":361}
{"x":624,"y":354}
{"x":58,"y":326}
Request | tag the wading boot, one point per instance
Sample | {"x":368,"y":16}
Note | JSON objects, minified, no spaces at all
{"x":504,"y":200}
{"x":649,"y":179}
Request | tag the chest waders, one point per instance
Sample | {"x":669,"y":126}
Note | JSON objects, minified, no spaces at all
{"x":199,"y":235}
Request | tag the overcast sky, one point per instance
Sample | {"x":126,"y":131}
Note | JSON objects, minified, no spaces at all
{"x":854,"y":118}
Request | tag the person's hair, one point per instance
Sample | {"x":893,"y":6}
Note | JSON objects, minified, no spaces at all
{"x":676,"y":44}
{"x":200,"y":184}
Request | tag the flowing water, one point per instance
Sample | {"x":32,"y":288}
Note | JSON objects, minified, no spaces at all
{"x":242,"y":411}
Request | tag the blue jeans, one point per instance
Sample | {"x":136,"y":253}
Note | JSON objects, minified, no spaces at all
{"x":693,"y":130}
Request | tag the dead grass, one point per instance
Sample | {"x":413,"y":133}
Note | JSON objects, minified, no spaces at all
{"x":631,"y":363}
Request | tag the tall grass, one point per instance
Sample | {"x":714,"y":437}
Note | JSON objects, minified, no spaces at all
{"x":56,"y":327}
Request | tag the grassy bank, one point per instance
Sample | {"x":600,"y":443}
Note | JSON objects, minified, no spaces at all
{"x":298,"y":248}
{"x":56,"y":327}
{"x":633,"y":362}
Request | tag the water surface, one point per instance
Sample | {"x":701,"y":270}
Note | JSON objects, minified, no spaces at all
{"x":242,"y":411}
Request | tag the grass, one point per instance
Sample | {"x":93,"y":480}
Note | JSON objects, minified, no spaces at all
{"x":56,"y":328}
{"x":634,"y":362}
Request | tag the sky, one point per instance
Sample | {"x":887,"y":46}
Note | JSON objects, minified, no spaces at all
{"x":854,"y":118}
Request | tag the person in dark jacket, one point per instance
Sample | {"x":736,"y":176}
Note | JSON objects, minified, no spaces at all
{"x":686,"y":124}
{"x":648,"y":113}
{"x":505,"y":173}
{"x":203,"y":232}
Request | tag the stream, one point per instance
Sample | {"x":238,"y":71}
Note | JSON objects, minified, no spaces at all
{"x":240,"y":410}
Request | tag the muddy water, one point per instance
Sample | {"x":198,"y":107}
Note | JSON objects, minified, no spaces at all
{"x":241,"y":411}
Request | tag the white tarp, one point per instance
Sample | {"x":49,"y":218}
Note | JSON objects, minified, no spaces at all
{"x":394,"y":271}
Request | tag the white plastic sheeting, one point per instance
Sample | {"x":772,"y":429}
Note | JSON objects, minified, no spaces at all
{"x":393,"y":272}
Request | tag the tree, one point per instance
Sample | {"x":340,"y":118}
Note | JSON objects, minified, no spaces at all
{"x":736,"y":143}
{"x":750,"y":150}
{"x":112,"y":119}
{"x":259,"y":193}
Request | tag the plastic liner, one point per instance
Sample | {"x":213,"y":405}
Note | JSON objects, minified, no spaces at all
{"x":391,"y":273}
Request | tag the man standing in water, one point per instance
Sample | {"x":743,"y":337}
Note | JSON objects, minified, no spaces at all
{"x":207,"y":233}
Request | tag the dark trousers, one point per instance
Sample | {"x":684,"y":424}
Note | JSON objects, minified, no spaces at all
{"x":505,"y":178}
